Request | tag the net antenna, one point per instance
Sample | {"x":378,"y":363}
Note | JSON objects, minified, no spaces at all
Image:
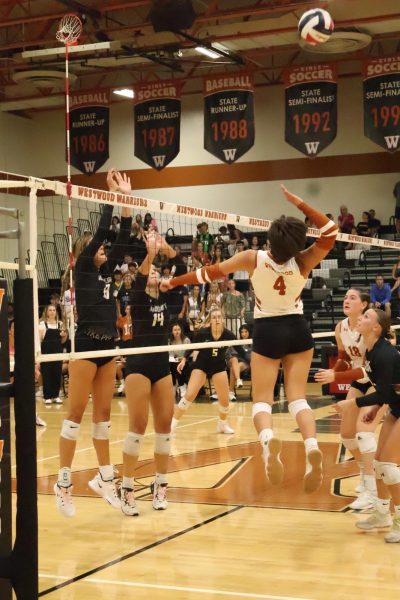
{"x":68,"y":33}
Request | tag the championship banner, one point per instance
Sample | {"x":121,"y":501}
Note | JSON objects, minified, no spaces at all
{"x":157,"y":122}
{"x":229,"y":115}
{"x":382,"y":101}
{"x":310,"y":107}
{"x":89,"y":130}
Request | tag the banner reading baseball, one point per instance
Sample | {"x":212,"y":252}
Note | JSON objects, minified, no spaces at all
{"x":89,"y":130}
{"x":310,"y":107}
{"x":382,"y":101}
{"x":229,"y":115}
{"x":157,"y":122}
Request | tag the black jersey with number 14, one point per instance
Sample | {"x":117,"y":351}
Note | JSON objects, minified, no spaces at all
{"x":150,"y":316}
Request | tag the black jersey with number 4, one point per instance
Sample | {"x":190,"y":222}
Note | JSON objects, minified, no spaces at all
{"x":211,"y":358}
{"x":382,"y":365}
{"x":94,"y":302}
{"x":150,"y":316}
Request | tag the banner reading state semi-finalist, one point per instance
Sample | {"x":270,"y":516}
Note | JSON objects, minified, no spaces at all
{"x":157,"y":122}
{"x":382,"y":101}
{"x":311,"y":107}
{"x":229,"y":115}
{"x":89,"y":130}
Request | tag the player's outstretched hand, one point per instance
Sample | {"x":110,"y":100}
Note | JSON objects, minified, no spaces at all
{"x":295,"y":200}
{"x":118,"y":182}
{"x":369,"y":416}
{"x":165,"y":285}
{"x":325,"y":376}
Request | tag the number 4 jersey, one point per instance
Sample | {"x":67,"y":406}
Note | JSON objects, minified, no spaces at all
{"x":277,"y":287}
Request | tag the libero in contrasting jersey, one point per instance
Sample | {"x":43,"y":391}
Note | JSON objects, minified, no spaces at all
{"x":281,"y":335}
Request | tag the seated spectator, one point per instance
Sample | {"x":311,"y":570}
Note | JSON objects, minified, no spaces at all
{"x":148,"y":222}
{"x":117,"y":283}
{"x":232,"y":247}
{"x":138,"y":221}
{"x":241,"y":277}
{"x":55,"y":300}
{"x":363,"y":225}
{"x":166,"y":274}
{"x":213,"y":297}
{"x":205,"y":238}
{"x":160,"y":261}
{"x":180,"y":377}
{"x":381,"y":294}
{"x":222,"y":235}
{"x":345,"y":220}
{"x":125,"y":295}
{"x":255,"y":244}
{"x":200,"y":255}
{"x":195,"y":308}
{"x":374,"y":223}
{"x":128,"y":258}
{"x":114,"y":228}
{"x":178,"y":262}
{"x":133,"y":269}
{"x":355,"y":245}
{"x":233,"y":306}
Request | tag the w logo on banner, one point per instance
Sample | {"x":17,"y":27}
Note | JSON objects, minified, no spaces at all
{"x":159,"y":161}
{"x":392,"y":141}
{"x":229,"y":154}
{"x":312,"y":147}
{"x":89,"y":165}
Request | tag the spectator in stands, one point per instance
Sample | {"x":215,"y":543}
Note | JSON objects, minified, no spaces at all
{"x":125,"y":295}
{"x":195,"y":308}
{"x":381,"y":294}
{"x":222,"y":235}
{"x":363,"y":225}
{"x":205,"y":238}
{"x":66,"y":305}
{"x":374,"y":223}
{"x":241,"y":277}
{"x":177,"y":305}
{"x":237,"y":235}
{"x":180,"y":377}
{"x":178,"y":262}
{"x":233,"y":307}
{"x":166,"y":274}
{"x":133,"y":269}
{"x":212,"y":298}
{"x":117,"y":282}
{"x":161,"y":260}
{"x":55,"y":300}
{"x":147,"y":222}
{"x":128,"y":258}
{"x":114,"y":228}
{"x":200,"y":255}
{"x":255,"y":244}
{"x":138,"y":221}
{"x":137,"y":244}
{"x":345,"y":220}
{"x":52,"y":336}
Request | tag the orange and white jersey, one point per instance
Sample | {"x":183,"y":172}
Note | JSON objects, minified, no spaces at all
{"x":354,"y":345}
{"x":277,"y":287}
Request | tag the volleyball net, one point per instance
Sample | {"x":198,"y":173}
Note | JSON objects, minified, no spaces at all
{"x":52,"y":230}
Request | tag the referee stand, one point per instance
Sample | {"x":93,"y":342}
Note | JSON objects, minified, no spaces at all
{"x":18,"y":563}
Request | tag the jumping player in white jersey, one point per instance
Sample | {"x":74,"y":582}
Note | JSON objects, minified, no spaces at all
{"x":281,"y":334}
{"x":357,"y":436}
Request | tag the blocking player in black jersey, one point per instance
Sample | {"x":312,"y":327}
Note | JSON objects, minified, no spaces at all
{"x":210,"y":362}
{"x":382,"y":366}
{"x":96,"y":331}
{"x":148,"y":380}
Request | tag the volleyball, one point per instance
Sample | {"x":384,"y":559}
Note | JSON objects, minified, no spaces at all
{"x":316,"y":26}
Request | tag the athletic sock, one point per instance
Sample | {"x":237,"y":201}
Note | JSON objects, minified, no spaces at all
{"x":107,"y":472}
{"x":383,"y":506}
{"x":128,"y":482}
{"x":64,"y":477}
{"x":161,"y":478}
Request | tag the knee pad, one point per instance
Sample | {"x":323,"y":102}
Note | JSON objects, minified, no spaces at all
{"x":390,"y":473}
{"x":260,"y":407}
{"x":70,"y":430}
{"x":132,"y":443}
{"x":101,"y":431}
{"x":349,"y":443}
{"x":184,"y":404}
{"x":162,"y":444}
{"x":223,"y":409}
{"x":366,"y":442}
{"x":298,"y":405}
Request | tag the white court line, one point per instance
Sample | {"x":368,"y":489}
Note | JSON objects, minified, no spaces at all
{"x":40,"y":460}
{"x":175,"y":588}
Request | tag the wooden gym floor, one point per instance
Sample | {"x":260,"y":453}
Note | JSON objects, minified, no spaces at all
{"x":226,"y":533}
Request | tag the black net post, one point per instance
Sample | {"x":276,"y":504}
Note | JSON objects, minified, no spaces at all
{"x":25,"y":551}
{"x":5,"y":452}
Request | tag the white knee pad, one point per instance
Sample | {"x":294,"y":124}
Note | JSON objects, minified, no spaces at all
{"x":349,"y":443}
{"x":162,"y":443}
{"x":390,"y":473}
{"x":101,"y":431}
{"x":366,"y":442}
{"x":184,"y":404}
{"x":377,"y":469}
{"x":260,"y":407}
{"x":132,"y":443}
{"x":223,"y":409}
{"x":70,"y":430}
{"x":298,"y":405}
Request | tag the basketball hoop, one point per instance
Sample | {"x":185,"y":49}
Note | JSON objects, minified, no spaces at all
{"x":69,"y":30}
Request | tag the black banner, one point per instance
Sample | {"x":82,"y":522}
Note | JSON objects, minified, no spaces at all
{"x":229,"y":115}
{"x":310,"y":107}
{"x":157,"y":122}
{"x":382,"y":101}
{"x":89,"y":130}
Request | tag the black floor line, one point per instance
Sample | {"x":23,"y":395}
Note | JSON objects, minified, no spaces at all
{"x":136,"y":552}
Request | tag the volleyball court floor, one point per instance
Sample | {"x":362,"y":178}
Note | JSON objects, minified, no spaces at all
{"x":226,"y":533}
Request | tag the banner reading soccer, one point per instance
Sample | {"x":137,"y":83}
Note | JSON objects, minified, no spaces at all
{"x":229,"y":115}
{"x":89,"y":130}
{"x":382,"y":101}
{"x":311,"y":107}
{"x":157,"y":122}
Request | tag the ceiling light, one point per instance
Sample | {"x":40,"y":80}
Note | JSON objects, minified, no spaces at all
{"x":125,"y":92}
{"x":207,"y":52}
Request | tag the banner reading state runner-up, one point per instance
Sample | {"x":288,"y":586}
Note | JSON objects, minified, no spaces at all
{"x":311,"y":107}
{"x":382,"y":101}
{"x":157,"y":122}
{"x":229,"y":115}
{"x":89,"y":130}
